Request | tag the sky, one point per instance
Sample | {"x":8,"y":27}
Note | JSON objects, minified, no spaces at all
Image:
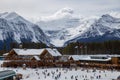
{"x":37,"y":8}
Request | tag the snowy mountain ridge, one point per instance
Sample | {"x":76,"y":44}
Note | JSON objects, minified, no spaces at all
{"x":62,"y":19}
{"x":105,"y":28}
{"x":14,"y":28}
{"x":62,"y":30}
{"x":59,"y":29}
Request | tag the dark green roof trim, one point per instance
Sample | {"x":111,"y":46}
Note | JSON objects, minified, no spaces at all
{"x":6,"y":73}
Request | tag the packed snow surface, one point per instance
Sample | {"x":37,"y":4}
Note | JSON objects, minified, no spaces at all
{"x":65,"y":73}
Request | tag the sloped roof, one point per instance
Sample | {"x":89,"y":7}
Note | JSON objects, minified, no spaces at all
{"x":75,"y":57}
{"x":89,"y":58}
{"x":28,"y":51}
{"x":53,"y":52}
{"x":98,"y":58}
{"x":36,"y":57}
{"x":5,"y":54}
{"x":106,"y":55}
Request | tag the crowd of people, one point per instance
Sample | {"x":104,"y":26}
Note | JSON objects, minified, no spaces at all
{"x":66,"y":74}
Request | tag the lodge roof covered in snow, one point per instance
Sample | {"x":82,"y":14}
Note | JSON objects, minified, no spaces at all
{"x":28,"y":51}
{"x":36,"y":57}
{"x":91,"y":57}
{"x":53,"y":52}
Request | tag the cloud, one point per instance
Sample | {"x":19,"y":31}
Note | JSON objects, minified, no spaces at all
{"x":36,"y":8}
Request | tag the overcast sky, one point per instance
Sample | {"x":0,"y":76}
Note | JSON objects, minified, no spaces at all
{"x":36,"y":8}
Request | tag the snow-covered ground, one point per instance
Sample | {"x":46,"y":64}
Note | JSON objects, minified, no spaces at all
{"x":64,"y":74}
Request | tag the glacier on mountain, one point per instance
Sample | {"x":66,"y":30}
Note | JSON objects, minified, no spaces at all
{"x":62,"y":19}
{"x":64,"y":27}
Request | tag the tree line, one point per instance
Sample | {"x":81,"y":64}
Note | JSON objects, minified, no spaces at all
{"x":79,"y":48}
{"x":75,"y":48}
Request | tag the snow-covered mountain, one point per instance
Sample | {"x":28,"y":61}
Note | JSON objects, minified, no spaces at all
{"x":62,"y":19}
{"x":59,"y":38}
{"x":64,"y":27}
{"x":14,"y":28}
{"x":105,"y":28}
{"x":59,"y":29}
{"x":56,"y":25}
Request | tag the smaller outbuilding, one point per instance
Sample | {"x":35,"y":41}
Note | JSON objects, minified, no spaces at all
{"x":7,"y":75}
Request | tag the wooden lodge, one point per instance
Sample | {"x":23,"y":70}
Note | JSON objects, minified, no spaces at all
{"x":31,"y":57}
{"x":48,"y":57}
{"x":99,"y":61}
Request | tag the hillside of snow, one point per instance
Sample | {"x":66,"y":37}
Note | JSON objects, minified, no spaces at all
{"x":105,"y":28}
{"x":14,"y":28}
{"x":59,"y":29}
{"x":65,"y":26}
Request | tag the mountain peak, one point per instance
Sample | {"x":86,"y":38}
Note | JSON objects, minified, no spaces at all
{"x":2,"y":14}
{"x":10,"y":15}
{"x":13,"y":17}
{"x":106,"y":16}
{"x":64,"y":13}
{"x":13,"y":14}
{"x":14,"y":28}
{"x":65,"y":10}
